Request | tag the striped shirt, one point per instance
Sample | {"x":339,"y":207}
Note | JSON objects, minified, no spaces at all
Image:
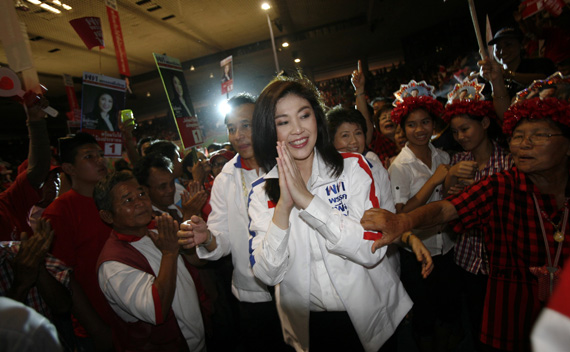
{"x":470,"y":253}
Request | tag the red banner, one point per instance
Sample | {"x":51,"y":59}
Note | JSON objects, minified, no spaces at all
{"x":117,"y":33}
{"x":89,"y":30}
{"x":75,"y":109}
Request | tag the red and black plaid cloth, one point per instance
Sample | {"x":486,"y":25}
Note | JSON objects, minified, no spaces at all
{"x":382,"y":146}
{"x":502,"y":207}
{"x":54,"y":266}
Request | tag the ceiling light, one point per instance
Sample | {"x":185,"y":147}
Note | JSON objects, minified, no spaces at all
{"x":57,"y":2}
{"x":148,"y":94}
{"x":49,"y":8}
{"x":297,"y":60}
{"x":192,"y":68}
{"x":66,"y":6}
{"x":265,"y":6}
{"x":35,"y":2}
{"x":285,"y":44}
{"x":211,"y":75}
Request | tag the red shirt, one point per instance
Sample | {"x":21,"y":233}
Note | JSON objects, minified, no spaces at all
{"x":15,"y":205}
{"x":502,"y":207}
{"x":79,"y":237}
{"x":382,"y":146}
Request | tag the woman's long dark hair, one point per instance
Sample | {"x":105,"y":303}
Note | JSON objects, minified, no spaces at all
{"x":264,"y":133}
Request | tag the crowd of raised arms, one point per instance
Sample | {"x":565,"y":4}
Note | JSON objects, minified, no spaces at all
{"x":418,"y":221}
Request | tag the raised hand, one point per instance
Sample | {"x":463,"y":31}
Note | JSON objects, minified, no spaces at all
{"x":166,"y":240}
{"x":358,"y":80}
{"x":490,"y":69}
{"x":32,"y":254}
{"x":296,"y":186}
{"x":194,"y":200}
{"x":193,"y":233}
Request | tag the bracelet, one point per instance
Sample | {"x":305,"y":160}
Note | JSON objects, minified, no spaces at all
{"x":358,"y":94}
{"x":209,"y":241}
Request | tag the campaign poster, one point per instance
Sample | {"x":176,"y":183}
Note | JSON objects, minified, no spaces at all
{"x":102,"y":100}
{"x":176,"y":89}
{"x":227,"y":69}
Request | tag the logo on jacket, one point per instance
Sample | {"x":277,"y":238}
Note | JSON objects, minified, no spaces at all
{"x":336,"y":195}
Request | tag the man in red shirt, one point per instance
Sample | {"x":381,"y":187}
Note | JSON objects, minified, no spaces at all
{"x":24,"y":193}
{"x":80,"y":235}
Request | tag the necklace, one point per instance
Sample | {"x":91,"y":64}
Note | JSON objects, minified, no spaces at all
{"x":548,"y":275}
{"x":558,"y":232}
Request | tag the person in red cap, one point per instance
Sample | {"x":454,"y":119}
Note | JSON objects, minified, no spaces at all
{"x":218,"y":159}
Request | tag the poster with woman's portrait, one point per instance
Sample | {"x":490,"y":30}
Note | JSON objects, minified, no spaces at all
{"x":227,"y":72}
{"x":102,"y":100}
{"x":179,"y":100}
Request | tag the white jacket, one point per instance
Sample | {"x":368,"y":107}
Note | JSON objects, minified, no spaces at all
{"x":366,"y":282}
{"x":228,"y":221}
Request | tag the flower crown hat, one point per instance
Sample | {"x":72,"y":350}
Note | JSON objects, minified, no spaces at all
{"x":543,"y":99}
{"x":466,"y":99}
{"x":413,"y":96}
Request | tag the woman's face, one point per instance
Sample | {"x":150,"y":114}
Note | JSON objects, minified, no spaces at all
{"x":531,"y":158}
{"x":419,"y":128}
{"x":468,"y":132}
{"x":177,"y":86}
{"x":350,"y":138}
{"x":387,"y":126}
{"x":105,"y":103}
{"x":400,"y":138}
{"x":507,"y":51}
{"x":296,"y":125}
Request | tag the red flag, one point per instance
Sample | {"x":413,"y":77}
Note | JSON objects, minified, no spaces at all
{"x":89,"y":30}
{"x":117,"y":34}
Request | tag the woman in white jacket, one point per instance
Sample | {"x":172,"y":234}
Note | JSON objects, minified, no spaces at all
{"x":305,"y":232}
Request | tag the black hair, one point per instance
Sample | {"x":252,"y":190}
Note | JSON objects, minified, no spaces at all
{"x":102,"y":191}
{"x":264,"y":133}
{"x":141,"y":142}
{"x":494,"y":131}
{"x":214,"y":147}
{"x":68,"y":146}
{"x":121,"y":165}
{"x":97,"y":110}
{"x":237,"y":101}
{"x":188,"y":162}
{"x":142,"y":168}
{"x":339,"y":115}
{"x":165,"y":148}
{"x":379,"y":99}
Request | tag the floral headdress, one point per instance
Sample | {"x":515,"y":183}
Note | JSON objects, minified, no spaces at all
{"x":413,"y":96}
{"x":466,"y":99}
{"x":540,"y":101}
{"x":537,"y":109}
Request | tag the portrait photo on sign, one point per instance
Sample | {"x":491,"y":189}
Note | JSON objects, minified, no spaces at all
{"x":178,"y":94}
{"x":100,"y":108}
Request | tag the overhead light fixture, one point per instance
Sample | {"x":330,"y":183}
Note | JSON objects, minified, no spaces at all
{"x":49,"y":8}
{"x":192,"y":68}
{"x":148,"y":94}
{"x":285,"y":45}
{"x":57,"y":2}
{"x":297,"y":60}
{"x":211,"y":75}
{"x":35,"y":2}
{"x":66,"y":6}
{"x":265,"y":6}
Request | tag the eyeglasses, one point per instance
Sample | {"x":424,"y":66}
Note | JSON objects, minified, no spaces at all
{"x":534,"y":139}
